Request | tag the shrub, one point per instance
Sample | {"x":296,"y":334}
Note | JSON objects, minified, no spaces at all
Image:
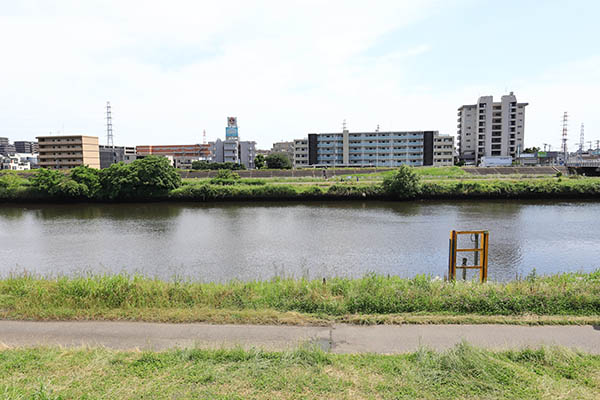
{"x":207,"y":165}
{"x":404,"y":183}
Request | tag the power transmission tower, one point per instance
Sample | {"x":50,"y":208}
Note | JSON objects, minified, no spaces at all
{"x":109,"y":130}
{"x":204,"y":136}
{"x":564,"y":135}
{"x":581,"y":140}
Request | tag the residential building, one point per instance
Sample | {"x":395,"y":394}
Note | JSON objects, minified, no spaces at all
{"x":184,"y":150}
{"x":232,"y":149}
{"x":64,"y":152}
{"x":371,"y":149}
{"x":491,"y":128}
{"x":14,"y":163}
{"x":235,"y":151}
{"x":286,"y":148}
{"x":443,"y":150}
{"x":23,"y":146}
{"x":114,"y":154}
{"x":300,"y":153}
{"x":6,"y":148}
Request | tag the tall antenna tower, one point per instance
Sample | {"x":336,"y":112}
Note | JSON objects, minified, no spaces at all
{"x":204,"y":136}
{"x":581,"y":140}
{"x":344,"y":126}
{"x":565,"y":124}
{"x":109,"y":131}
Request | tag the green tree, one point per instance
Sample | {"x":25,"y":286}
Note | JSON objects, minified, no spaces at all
{"x":278,"y":161}
{"x":403,"y":183}
{"x":152,"y":176}
{"x":47,"y":181}
{"x":259,"y":161}
{"x":531,"y":150}
{"x":89,"y":179}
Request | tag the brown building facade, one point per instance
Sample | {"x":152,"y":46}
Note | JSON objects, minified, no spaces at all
{"x":182,"y":150}
{"x":65,"y":152}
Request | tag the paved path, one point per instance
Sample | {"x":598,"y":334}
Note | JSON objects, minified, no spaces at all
{"x":337,"y":338}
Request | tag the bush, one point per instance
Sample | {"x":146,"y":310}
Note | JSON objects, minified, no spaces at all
{"x":208,"y":165}
{"x":404,"y":183}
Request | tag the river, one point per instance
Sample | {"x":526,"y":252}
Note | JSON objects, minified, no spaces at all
{"x":225,"y":241}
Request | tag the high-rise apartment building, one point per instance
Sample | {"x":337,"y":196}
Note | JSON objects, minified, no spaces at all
{"x":374,"y":149}
{"x":60,"y":152}
{"x":491,"y":128}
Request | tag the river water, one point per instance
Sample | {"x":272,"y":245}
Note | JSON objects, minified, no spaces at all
{"x":225,"y":241}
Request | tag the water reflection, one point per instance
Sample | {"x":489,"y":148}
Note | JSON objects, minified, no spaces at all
{"x":219,"y":242}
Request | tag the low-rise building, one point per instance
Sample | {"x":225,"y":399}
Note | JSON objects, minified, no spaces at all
{"x":14,"y":163}
{"x":65,"y":152}
{"x":373,"y":149}
{"x":178,"y":150}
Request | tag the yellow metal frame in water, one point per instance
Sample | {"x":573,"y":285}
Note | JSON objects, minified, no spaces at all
{"x":481,"y":254}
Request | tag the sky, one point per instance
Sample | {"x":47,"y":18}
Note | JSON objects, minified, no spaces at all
{"x":172,"y":69}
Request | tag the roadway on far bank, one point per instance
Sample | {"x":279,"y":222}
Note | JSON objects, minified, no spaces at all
{"x":338,"y":338}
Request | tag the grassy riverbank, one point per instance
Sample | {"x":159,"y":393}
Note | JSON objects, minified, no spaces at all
{"x":462,"y":372}
{"x":557,"y":299}
{"x":115,"y":188}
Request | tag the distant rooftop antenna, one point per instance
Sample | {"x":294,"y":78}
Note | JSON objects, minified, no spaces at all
{"x":581,"y":140}
{"x":204,"y":136}
{"x":109,"y":130}
{"x":344,"y":126}
{"x":565,"y":126}
{"x":377,"y":130}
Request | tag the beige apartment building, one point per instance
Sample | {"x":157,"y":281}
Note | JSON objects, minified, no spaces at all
{"x":65,"y":152}
{"x":443,"y":151}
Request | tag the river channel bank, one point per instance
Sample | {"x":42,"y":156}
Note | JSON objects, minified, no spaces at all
{"x":572,"y":298}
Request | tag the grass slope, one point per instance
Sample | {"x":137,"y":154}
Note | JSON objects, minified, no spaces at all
{"x":463,"y":372}
{"x":564,"y":298}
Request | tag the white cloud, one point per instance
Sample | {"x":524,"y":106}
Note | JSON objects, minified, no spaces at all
{"x":285,"y":68}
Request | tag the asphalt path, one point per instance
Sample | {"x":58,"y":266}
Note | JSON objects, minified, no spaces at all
{"x":383,"y":339}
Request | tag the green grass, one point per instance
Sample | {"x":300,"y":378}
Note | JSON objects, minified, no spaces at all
{"x":462,"y":372}
{"x":564,"y":298}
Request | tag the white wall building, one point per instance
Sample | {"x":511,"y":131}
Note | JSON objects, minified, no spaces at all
{"x":491,"y":128}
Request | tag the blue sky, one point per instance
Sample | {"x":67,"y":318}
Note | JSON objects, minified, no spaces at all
{"x":286,"y":68}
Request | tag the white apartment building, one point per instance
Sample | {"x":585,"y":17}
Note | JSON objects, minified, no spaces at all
{"x":491,"y":128}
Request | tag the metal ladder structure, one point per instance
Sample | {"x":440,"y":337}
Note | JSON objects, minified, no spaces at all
{"x":481,"y":239}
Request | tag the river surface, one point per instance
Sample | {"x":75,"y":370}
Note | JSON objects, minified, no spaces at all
{"x":225,"y":241}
